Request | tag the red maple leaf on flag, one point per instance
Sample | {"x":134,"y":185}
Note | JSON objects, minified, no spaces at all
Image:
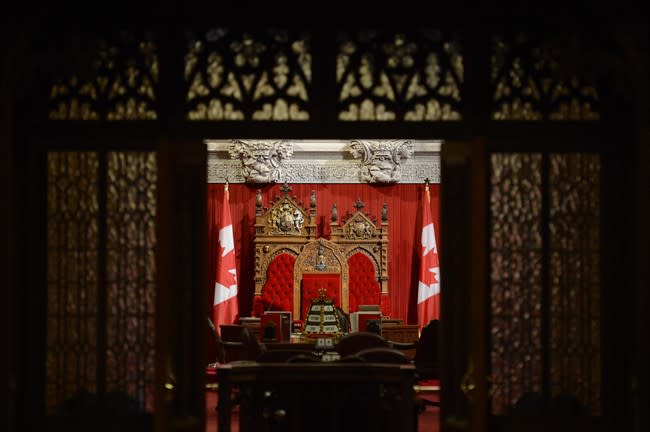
{"x":430,"y":267}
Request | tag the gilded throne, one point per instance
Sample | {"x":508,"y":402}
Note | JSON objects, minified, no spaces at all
{"x":292,"y":265}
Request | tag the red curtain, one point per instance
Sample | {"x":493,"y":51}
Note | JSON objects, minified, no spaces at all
{"x":404,"y":218}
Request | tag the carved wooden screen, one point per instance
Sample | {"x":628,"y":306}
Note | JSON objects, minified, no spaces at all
{"x":248,"y":75}
{"x":545,"y":281}
{"x":116,"y":79}
{"x":101,"y":271}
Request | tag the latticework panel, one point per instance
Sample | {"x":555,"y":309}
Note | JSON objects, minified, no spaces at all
{"x":575,"y":365}
{"x":414,"y":76}
{"x":515,"y":278}
{"x":72,"y":277}
{"x":88,"y":361}
{"x":532,"y":82}
{"x":118,"y":83}
{"x":130,"y":261}
{"x":261,"y":75}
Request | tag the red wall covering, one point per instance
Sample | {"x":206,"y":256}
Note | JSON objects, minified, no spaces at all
{"x":404,"y":217}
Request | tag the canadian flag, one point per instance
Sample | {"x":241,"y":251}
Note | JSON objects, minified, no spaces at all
{"x":225,"y":306}
{"x":429,"y":280}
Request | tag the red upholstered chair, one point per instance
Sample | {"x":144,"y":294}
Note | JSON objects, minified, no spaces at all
{"x":282,"y":232}
{"x":363,"y":240}
{"x":277,"y":292}
{"x":383,"y":355}
{"x":427,"y":358}
{"x":232,"y":341}
{"x":364,"y":286}
{"x":211,"y":368}
{"x":288,"y":356}
{"x":311,"y":285}
{"x":427,"y":363}
{"x":352,"y":343}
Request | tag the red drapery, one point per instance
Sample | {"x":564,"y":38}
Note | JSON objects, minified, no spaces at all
{"x":404,"y":217}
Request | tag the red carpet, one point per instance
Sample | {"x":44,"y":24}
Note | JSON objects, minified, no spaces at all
{"x":428,"y":420}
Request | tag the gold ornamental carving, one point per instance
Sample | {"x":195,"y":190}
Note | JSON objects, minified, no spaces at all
{"x":359,"y":228}
{"x":286,"y":219}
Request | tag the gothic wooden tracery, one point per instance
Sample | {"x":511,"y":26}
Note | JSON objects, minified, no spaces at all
{"x":240,"y":75}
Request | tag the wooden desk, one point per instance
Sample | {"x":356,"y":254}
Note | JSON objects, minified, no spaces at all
{"x":391,"y":332}
{"x":253,"y":327}
{"x":306,"y":346}
{"x":408,"y":333}
{"x":318,"y":396}
{"x":389,"y":321}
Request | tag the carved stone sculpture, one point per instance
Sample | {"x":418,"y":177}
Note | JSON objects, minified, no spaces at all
{"x":380,"y":160}
{"x":261,"y":160}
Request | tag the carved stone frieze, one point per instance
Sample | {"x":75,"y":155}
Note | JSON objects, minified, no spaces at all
{"x":331,"y":161}
{"x":380,"y":160}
